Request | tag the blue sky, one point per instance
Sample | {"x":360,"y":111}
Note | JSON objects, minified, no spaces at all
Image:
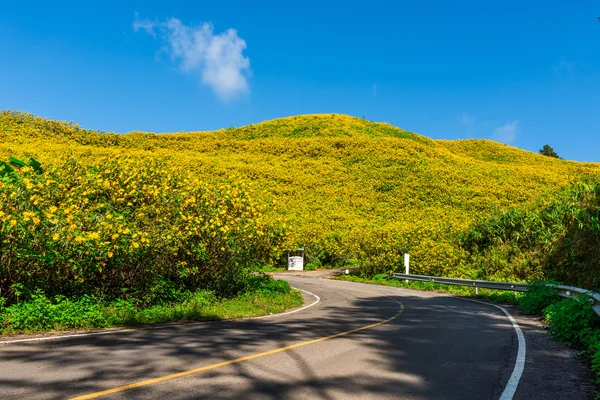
{"x":525,"y":73}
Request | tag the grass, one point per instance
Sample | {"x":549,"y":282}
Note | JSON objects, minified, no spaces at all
{"x":41,"y":314}
{"x":506,"y":297}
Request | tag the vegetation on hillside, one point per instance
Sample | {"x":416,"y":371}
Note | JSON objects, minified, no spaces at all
{"x":557,"y":239}
{"x":348,"y":190}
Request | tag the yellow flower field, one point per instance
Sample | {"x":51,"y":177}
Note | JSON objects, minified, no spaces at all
{"x":348,"y":190}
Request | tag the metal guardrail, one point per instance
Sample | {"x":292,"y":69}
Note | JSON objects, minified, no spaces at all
{"x":518,"y":287}
{"x":563,"y":291}
{"x":570,"y":291}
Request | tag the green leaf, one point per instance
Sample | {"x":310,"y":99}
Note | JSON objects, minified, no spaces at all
{"x":5,"y":169}
{"x":36,"y":165}
{"x":16,"y":162}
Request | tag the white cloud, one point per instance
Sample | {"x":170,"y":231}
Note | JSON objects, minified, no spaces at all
{"x":507,"y":133}
{"x":218,"y":58}
{"x":145,"y":25}
{"x":564,"y":68}
{"x":467,"y":121}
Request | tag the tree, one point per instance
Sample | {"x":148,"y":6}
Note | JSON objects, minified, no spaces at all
{"x":548,"y":151}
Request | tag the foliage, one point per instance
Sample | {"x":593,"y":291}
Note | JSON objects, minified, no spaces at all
{"x":8,"y":168}
{"x":267,"y":285}
{"x":347,"y":189}
{"x":538,"y":296}
{"x":126,"y":227}
{"x":569,"y":318}
{"x":558,"y":239}
{"x":548,"y":151}
{"x":574,"y":321}
{"x":41,"y":313}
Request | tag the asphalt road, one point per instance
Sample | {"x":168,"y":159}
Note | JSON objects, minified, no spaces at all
{"x":358,"y":342}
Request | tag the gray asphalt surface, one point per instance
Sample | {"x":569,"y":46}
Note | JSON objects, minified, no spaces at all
{"x":439,"y":347}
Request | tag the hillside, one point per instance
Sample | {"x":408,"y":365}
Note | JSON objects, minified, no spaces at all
{"x":349,"y":190}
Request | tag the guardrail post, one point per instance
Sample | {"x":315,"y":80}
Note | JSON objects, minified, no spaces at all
{"x":406,"y":265}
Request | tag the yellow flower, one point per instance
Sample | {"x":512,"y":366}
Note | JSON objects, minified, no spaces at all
{"x":55,"y":237}
{"x":27,"y":215}
{"x":13,"y":223}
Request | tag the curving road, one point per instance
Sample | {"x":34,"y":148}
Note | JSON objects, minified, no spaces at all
{"x":357,"y":342}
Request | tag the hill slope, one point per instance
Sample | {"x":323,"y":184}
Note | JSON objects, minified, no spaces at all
{"x":348,"y":189}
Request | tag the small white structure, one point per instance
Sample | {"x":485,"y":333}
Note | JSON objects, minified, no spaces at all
{"x":295,"y":263}
{"x":296,"y":259}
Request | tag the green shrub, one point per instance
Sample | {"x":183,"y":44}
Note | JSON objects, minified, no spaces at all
{"x":559,"y":239}
{"x":266,"y":285}
{"x":571,"y":319}
{"x":43,"y":314}
{"x":594,"y":352}
{"x":538,"y":297}
{"x":262,"y":295}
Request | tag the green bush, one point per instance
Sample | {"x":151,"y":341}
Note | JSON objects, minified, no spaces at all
{"x":262,"y":295}
{"x":556,"y":239}
{"x":570,"y":320}
{"x":574,"y":321}
{"x":538,"y":297}
{"x":310,"y":267}
{"x":42,"y":314}
{"x":266,"y":285}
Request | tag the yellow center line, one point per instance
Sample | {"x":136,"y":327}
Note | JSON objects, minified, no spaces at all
{"x":240,"y":359}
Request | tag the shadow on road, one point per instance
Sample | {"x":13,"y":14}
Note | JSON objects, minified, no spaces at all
{"x":439,"y":347}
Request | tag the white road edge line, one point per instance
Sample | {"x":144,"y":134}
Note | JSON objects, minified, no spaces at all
{"x":515,"y":378}
{"x":76,"y":335}
{"x":318,"y":299}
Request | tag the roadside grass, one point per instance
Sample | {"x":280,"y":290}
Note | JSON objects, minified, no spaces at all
{"x":41,"y":314}
{"x":506,"y":297}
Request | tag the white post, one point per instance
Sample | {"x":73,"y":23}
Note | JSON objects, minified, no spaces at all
{"x":406,"y":264}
